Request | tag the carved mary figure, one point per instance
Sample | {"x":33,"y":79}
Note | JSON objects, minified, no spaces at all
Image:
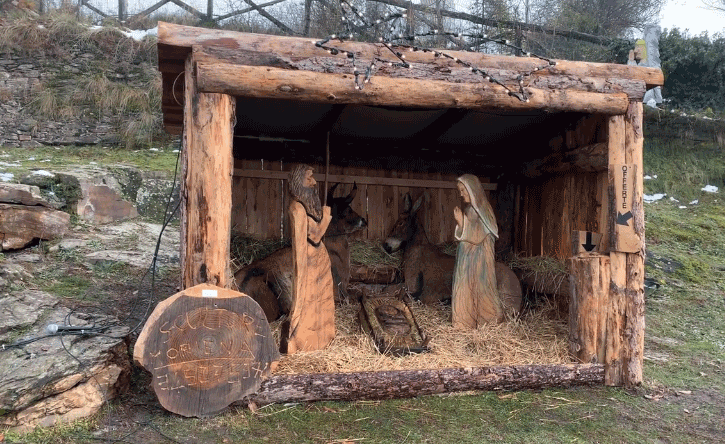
{"x":475,"y":296}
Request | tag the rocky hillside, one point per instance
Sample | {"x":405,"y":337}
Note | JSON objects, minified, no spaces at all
{"x":64,"y":82}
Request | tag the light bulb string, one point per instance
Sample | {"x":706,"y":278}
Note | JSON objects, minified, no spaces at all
{"x":390,"y":45}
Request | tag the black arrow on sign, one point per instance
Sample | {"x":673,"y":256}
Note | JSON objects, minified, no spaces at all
{"x":589,"y":246}
{"x":623,"y":218}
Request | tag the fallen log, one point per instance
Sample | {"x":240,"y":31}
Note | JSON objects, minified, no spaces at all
{"x":412,"y":383}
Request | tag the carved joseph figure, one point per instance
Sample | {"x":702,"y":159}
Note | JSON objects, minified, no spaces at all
{"x":475,"y":296}
{"x":312,"y":318}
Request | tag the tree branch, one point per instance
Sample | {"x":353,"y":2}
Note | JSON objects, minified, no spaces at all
{"x":269,"y":17}
{"x":500,"y":23}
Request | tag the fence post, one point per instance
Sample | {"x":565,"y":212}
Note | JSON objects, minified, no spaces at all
{"x":121,"y":10}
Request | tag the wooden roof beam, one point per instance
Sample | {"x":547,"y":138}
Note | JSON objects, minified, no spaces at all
{"x":298,"y":48}
{"x":266,"y":82}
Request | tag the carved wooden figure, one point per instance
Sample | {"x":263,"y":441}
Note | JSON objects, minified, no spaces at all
{"x":312,"y":319}
{"x":475,"y":295}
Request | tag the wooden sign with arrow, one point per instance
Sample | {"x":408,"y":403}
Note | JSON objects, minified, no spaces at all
{"x":585,"y":242}
{"x":625,"y":239}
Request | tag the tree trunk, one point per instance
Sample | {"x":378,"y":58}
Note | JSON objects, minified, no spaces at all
{"x":413,"y":383}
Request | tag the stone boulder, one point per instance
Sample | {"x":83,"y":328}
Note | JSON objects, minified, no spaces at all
{"x":58,"y":377}
{"x":25,"y":216}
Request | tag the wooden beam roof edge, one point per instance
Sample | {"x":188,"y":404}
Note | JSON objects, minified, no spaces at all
{"x":261,"y":81}
{"x":187,"y":36}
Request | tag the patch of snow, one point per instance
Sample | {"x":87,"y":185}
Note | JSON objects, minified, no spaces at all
{"x":710,"y":188}
{"x":92,"y":163}
{"x":43,"y":173}
{"x":153,"y":149}
{"x":31,"y":158}
{"x":6,"y":177}
{"x":649,"y":198}
{"x":694,"y":202}
{"x":9,"y":164}
{"x":673,"y":199}
{"x":682,"y":206}
{"x":140,"y":34}
{"x":175,"y":151}
{"x":648,"y":177}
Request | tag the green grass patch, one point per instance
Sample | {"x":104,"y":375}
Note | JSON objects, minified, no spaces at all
{"x":162,"y":159}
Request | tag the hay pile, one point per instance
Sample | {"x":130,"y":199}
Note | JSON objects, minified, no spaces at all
{"x":532,"y":339}
{"x":536,"y":337}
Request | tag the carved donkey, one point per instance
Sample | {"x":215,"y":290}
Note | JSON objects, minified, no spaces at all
{"x":269,"y":280}
{"x":428,"y":271}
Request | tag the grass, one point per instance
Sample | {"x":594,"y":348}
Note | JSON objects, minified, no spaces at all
{"x":162,"y":159}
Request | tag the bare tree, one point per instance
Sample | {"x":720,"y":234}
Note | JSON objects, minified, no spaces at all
{"x":716,"y":5}
{"x":612,"y":18}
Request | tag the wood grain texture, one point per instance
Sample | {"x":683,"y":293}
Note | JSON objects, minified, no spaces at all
{"x":207,"y":196}
{"x":305,"y":86}
{"x":589,"y":285}
{"x":180,"y":39}
{"x":206,"y":347}
{"x":312,"y":319}
{"x":618,"y":262}
{"x":414,"y":383}
{"x":634,"y":328}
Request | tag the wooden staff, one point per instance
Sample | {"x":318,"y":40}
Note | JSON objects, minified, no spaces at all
{"x":327,"y":166}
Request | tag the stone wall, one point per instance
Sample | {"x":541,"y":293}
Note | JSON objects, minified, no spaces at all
{"x":20,"y":76}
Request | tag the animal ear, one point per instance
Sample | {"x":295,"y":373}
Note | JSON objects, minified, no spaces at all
{"x":406,"y":203}
{"x":331,"y":192}
{"x":352,"y":194}
{"x":416,"y":206}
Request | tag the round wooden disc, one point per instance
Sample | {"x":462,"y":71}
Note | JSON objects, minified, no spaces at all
{"x":206,"y":352}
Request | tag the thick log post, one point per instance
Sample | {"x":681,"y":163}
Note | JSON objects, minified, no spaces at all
{"x":618,"y":261}
{"x":589,"y":280}
{"x":207,"y":194}
{"x":634,"y":305}
{"x":413,"y":383}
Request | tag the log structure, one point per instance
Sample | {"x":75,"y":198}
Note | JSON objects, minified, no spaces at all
{"x":412,"y":383}
{"x":564,"y":164}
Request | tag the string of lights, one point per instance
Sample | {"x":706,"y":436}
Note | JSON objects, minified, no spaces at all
{"x":352,"y":19}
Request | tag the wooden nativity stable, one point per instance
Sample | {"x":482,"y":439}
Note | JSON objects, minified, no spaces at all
{"x":563,"y":169}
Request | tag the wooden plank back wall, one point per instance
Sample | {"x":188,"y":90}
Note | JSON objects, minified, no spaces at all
{"x":259,"y":205}
{"x":551,"y":209}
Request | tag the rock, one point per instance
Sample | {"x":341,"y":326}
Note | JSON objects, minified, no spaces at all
{"x":20,"y":225}
{"x":15,"y":193}
{"x":43,"y":384}
{"x":101,"y":204}
{"x":100,"y":196}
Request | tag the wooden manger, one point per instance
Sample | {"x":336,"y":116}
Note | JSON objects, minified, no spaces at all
{"x":566,"y":161}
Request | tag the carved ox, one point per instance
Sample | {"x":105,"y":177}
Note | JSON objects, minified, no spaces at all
{"x":428,"y":271}
{"x":269,"y":281}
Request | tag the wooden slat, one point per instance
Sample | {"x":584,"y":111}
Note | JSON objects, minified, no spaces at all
{"x":359,"y":179}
